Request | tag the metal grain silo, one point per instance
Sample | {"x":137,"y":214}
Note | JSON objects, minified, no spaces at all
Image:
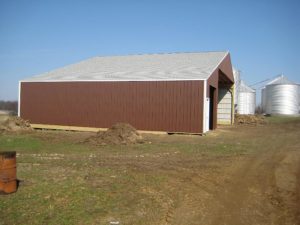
{"x":263,"y":100}
{"x":236,"y":75}
{"x":246,"y":99}
{"x":282,"y":97}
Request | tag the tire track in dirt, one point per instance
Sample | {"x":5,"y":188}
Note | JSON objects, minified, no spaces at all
{"x":254,"y":191}
{"x":166,"y":204}
{"x":287,"y":178}
{"x":191,"y":191}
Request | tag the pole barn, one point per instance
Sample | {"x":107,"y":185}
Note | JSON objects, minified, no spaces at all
{"x":178,"y":92}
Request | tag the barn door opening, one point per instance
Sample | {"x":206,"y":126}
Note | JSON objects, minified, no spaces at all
{"x":212,"y":92}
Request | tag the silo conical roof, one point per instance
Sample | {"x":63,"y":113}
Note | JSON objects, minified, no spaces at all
{"x":245,"y":88}
{"x":280,"y":80}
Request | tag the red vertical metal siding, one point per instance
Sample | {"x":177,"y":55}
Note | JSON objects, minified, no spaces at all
{"x":173,"y":106}
{"x":226,"y":67}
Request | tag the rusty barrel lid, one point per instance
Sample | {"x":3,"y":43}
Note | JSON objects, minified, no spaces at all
{"x":7,"y":160}
{"x":8,"y":154}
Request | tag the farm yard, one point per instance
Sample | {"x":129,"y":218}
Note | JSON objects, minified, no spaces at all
{"x":242,"y":174}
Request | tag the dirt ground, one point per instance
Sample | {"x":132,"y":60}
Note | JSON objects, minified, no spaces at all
{"x":261,"y":187}
{"x":239,"y":175}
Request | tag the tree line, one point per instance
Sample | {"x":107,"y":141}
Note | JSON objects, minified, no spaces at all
{"x":9,"y":106}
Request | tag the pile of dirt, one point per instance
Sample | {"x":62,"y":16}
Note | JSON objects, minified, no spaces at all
{"x":250,"y":119}
{"x":118,"y":134}
{"x":14,"y":124}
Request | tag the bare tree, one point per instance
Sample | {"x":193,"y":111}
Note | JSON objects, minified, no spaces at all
{"x":258,"y":110}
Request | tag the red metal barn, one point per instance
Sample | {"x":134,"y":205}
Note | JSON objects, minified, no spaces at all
{"x":180,"y":92}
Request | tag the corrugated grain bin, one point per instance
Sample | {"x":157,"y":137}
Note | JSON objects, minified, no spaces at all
{"x":236,"y":74}
{"x":246,"y":100}
{"x":282,"y":97}
{"x":263,"y":100}
{"x":8,"y":172}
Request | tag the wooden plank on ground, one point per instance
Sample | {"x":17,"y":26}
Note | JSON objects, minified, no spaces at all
{"x":87,"y":129}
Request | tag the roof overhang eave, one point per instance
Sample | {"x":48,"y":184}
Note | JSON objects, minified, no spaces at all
{"x":148,"y":80}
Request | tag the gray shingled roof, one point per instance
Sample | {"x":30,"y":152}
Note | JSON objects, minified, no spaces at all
{"x":174,"y":66}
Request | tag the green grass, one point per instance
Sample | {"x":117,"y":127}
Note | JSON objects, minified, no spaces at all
{"x":26,"y":143}
{"x":63,"y":182}
{"x":77,"y":189}
{"x":23,"y":143}
{"x":276,"y":119}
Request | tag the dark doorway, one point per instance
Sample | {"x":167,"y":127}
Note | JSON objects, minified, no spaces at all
{"x":212,"y":91}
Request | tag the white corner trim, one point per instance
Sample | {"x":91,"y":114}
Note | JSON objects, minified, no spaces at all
{"x":19,"y":100}
{"x":204,"y":107}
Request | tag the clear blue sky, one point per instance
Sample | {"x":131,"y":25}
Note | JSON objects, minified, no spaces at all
{"x":263,"y":36}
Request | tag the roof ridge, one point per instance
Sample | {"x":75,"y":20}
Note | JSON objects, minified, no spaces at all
{"x":159,"y":53}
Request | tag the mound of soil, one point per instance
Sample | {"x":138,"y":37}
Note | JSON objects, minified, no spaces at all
{"x":118,"y":134}
{"x":14,"y":124}
{"x":250,"y":119}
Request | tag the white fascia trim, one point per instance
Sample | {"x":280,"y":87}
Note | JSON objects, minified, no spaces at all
{"x":111,"y":80}
{"x":204,"y":107}
{"x":19,"y":100}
